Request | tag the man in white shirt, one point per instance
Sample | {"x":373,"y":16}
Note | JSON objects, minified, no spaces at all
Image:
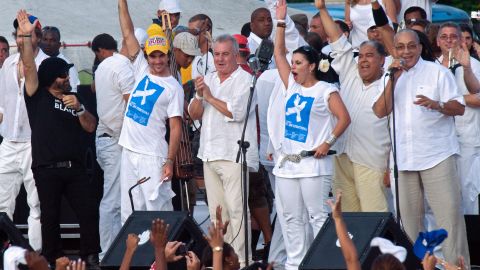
{"x":426,"y":101}
{"x":468,"y":124}
{"x":15,"y":150}
{"x":365,"y":146}
{"x":156,"y":98}
{"x":113,"y":84}
{"x":220,"y":103}
{"x":426,"y":5}
{"x":51,"y":44}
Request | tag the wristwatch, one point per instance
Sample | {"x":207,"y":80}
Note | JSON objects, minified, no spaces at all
{"x":217,"y":249}
{"x":81,"y":110}
{"x":441,"y":105}
{"x":167,"y":161}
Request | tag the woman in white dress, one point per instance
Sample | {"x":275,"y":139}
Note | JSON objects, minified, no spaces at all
{"x":305,"y":114}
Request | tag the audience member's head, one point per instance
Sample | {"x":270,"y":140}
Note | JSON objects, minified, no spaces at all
{"x":53,"y":73}
{"x":343,"y":27}
{"x":414,"y":12}
{"x":448,"y":37}
{"x":4,"y":50}
{"x":427,"y":51}
{"x":201,"y":22}
{"x":317,"y":26}
{"x":245,"y":31}
{"x":50,"y":43}
{"x":371,"y":58}
{"x":407,"y":46}
{"x":225,"y":51}
{"x":243,"y":49}
{"x":185,"y":47}
{"x":170,"y":8}
{"x":261,"y":23}
{"x":229,"y":257}
{"x":432,"y":32}
{"x":36,"y":34}
{"x":467,"y":37}
{"x":300,"y":19}
{"x":387,"y":262}
{"x":104,"y":46}
{"x":314,"y":40}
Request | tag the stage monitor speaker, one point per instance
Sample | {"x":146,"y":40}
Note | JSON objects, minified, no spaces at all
{"x":473,"y":235}
{"x":14,"y":235}
{"x":325,"y":252}
{"x":182,"y":228}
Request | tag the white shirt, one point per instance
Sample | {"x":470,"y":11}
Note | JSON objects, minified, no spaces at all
{"x":113,"y":79}
{"x":468,"y":124}
{"x":366,"y":140}
{"x":362,"y":18}
{"x":425,"y":4}
{"x":15,"y":126}
{"x":202,"y":65}
{"x":153,"y":100}
{"x":424,"y":137}
{"x":264,"y":88}
{"x":303,"y":116}
{"x":72,"y":73}
{"x":219,"y":136}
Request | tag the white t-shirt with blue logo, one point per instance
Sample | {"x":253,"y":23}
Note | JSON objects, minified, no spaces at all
{"x":307,"y":123}
{"x":153,"y":100}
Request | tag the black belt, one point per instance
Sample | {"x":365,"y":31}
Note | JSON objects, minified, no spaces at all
{"x":59,"y":165}
{"x":105,"y":135}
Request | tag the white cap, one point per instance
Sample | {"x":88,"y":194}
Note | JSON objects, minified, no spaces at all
{"x":170,"y":6}
{"x":141,"y":36}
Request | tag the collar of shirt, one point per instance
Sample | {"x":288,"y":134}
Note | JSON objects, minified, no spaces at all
{"x":256,"y":38}
{"x":231,"y":77}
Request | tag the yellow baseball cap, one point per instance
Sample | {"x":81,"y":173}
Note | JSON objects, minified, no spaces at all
{"x":156,"y":43}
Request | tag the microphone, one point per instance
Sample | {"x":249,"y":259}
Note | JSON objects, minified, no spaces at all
{"x":253,"y":63}
{"x":264,"y":54}
{"x":305,"y":153}
{"x":139,"y":182}
{"x":395,"y":69}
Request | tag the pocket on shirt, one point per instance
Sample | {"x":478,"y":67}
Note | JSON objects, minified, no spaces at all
{"x":427,"y":91}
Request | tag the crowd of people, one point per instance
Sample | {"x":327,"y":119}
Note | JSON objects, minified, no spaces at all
{"x":384,"y":99}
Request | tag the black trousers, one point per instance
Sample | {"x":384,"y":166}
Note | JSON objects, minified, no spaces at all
{"x":75,"y":186}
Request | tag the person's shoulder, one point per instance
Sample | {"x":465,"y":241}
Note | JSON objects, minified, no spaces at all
{"x":12,"y":59}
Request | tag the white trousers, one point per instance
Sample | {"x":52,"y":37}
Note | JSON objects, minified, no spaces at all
{"x":135,"y":166}
{"x":297,"y":196}
{"x":223,"y":182}
{"x":109,"y":156}
{"x":469,"y":156}
{"x":15,"y":170}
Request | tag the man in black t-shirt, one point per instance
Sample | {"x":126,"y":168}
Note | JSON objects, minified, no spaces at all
{"x":58,"y":121}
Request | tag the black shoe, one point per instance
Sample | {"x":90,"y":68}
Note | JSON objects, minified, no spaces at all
{"x":92,"y":262}
{"x":266,"y":251}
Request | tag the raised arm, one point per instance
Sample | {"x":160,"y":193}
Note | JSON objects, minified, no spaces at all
{"x":331,"y":29}
{"x":386,"y":31}
{"x":280,"y":50}
{"x":24,"y":32}
{"x":462,"y":55}
{"x":128,"y":33}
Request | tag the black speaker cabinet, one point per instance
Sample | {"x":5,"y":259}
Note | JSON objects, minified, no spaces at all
{"x":13,"y":234}
{"x":182,"y":228}
{"x":473,"y":235}
{"x":363,"y":227}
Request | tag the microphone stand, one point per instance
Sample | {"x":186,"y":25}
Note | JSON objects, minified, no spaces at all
{"x":139,"y":182}
{"x":394,"y":151}
{"x":242,"y":151}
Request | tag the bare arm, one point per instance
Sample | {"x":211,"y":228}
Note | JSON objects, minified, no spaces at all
{"x":331,"y":29}
{"x":280,"y":50}
{"x":159,"y":239}
{"x":128,"y":33}
{"x":348,"y":248}
{"x":195,"y":109}
{"x":340,"y":112}
{"x":386,"y":33}
{"x":132,"y":244}
{"x":383,"y":106}
{"x":24,"y":31}
{"x":391,"y":10}
{"x":88,"y":121}
{"x":204,"y":91}
{"x":462,"y":55}
{"x":472,"y":100}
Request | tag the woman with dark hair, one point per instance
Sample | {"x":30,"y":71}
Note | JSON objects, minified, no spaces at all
{"x":302,"y":130}
{"x":467,"y":37}
{"x":387,"y":262}
{"x":427,"y":51}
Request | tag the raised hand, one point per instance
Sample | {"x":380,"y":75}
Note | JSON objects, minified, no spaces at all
{"x":281,"y":9}
{"x":36,"y":261}
{"x":462,"y":55}
{"x":429,"y":261}
{"x":218,"y":214}
{"x":159,"y":234}
{"x":193,"y":263}
{"x":171,"y":249}
{"x":320,"y":4}
{"x":132,"y":241}
{"x":77,"y":265}
{"x":62,"y":263}
{"x":24,"y":25}
{"x":336,"y":206}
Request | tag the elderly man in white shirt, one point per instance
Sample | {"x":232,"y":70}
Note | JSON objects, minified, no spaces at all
{"x":468,"y":124}
{"x":364,"y":147}
{"x":113,"y":83}
{"x":220,"y":102}
{"x":426,"y":101}
{"x":16,"y":149}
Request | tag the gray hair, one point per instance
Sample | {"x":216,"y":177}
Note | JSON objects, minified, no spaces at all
{"x":375,"y":44}
{"x":228,"y":38}
{"x":451,"y":25}
{"x":410,"y":31}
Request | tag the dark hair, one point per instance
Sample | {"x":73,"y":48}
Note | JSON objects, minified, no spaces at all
{"x":312,"y":57}
{"x":387,"y":262}
{"x":104,"y":41}
{"x":4,"y":40}
{"x":207,"y":255}
{"x":375,"y":44}
{"x":37,"y":30}
{"x":257,"y":12}
{"x":432,"y":32}
{"x":343,"y":26}
{"x":202,"y":17}
{"x":413,"y":9}
{"x":427,"y":51}
{"x":313,"y":39}
{"x":52,"y":29}
{"x":466,"y":28}
{"x":246,"y":29}
{"x":317,"y":15}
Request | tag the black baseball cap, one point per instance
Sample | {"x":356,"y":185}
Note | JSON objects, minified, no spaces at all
{"x":51,"y":69}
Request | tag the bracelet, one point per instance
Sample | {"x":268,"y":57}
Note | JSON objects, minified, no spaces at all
{"x":441,"y":105}
{"x":331,"y":140}
{"x":217,"y":249}
{"x":282,"y":25}
{"x":25,"y":35}
{"x":167,"y":161}
{"x":81,"y":110}
{"x":198,"y":96}
{"x":280,"y":21}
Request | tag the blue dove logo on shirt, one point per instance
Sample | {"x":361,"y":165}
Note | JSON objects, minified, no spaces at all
{"x":297,"y":117}
{"x":143,"y":100}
